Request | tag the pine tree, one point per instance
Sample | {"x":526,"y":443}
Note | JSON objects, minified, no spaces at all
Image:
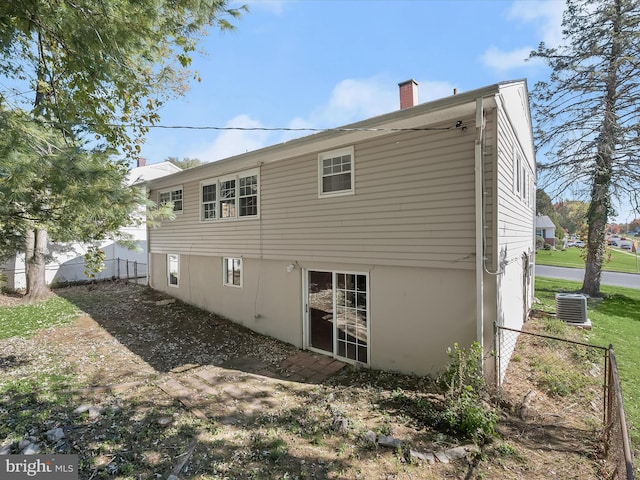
{"x":587,"y":117}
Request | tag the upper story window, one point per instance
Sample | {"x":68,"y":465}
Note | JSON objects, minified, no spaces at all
{"x":335,"y":172}
{"x":228,"y":197}
{"x":174,"y":195}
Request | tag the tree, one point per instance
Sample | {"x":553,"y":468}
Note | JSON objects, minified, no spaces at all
{"x":544,"y":206}
{"x":87,"y":71}
{"x":586,"y":114}
{"x":185,"y":162}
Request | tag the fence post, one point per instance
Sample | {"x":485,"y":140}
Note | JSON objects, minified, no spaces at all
{"x":118,"y":268}
{"x":135,"y":270}
{"x":127,"y":269}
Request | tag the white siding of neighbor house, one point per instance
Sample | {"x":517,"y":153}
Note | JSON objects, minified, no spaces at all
{"x":413,"y":205}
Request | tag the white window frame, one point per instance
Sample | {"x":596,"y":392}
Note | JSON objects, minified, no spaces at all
{"x":170,"y":257}
{"x":171,"y":191}
{"x":321,"y":175}
{"x":225,"y":272}
{"x":236,"y":198}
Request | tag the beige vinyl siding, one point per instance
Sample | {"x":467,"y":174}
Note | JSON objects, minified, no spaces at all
{"x":413,"y":206}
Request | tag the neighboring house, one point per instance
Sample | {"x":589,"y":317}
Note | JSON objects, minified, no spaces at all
{"x":546,"y":229}
{"x":381,"y":243}
{"x":66,"y":260}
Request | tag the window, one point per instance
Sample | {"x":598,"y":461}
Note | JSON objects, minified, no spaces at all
{"x":173,"y":270}
{"x":230,"y":197}
{"x":335,"y":172}
{"x":232,"y":272}
{"x":171,"y":195}
{"x":517,"y":166}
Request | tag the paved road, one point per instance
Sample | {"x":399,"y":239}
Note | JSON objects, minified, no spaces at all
{"x":630,"y":280}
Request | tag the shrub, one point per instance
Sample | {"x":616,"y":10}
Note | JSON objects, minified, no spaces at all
{"x":466,"y":411}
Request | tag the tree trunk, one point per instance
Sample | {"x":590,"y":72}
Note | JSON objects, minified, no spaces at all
{"x":35,"y":264}
{"x":600,"y":206}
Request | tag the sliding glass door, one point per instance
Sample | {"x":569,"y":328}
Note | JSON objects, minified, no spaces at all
{"x":338,"y":314}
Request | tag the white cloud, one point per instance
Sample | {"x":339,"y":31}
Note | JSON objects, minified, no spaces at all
{"x":546,"y":15}
{"x":234,"y":142}
{"x":502,"y":61}
{"x":546,"y":18}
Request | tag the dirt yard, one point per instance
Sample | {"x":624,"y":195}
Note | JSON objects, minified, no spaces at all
{"x":141,"y":386}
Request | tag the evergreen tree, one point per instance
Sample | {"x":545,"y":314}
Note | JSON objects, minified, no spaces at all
{"x":587,"y":116}
{"x":84,"y":71}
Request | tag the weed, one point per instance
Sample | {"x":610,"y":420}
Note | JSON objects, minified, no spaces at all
{"x":466,"y":410}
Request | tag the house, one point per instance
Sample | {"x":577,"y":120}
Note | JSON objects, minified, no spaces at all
{"x":381,"y":243}
{"x":546,"y":229}
{"x":66,"y":260}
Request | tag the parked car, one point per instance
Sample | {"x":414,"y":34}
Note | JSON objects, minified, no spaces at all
{"x":625,"y":245}
{"x":579,"y":243}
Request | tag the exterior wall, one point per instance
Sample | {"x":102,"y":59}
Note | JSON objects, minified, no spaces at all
{"x":269,"y":301}
{"x":410,"y":224}
{"x":413,"y":206}
{"x":515,"y":216}
{"x":415,"y":313}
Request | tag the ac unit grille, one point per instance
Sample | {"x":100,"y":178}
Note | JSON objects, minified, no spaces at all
{"x":571,"y":307}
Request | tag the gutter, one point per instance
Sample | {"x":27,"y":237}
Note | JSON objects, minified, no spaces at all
{"x":479,"y":226}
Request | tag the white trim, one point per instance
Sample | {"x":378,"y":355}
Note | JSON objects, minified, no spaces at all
{"x":170,"y":190}
{"x":334,"y":154}
{"x":177,"y":276}
{"x":224,"y":272}
{"x":217,"y":181}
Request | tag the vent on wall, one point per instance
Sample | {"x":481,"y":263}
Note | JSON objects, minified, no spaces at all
{"x":572,"y":308}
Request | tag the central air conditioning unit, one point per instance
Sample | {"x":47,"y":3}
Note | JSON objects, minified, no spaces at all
{"x":572,"y":308}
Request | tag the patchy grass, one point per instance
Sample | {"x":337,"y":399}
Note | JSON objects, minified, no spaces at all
{"x":25,"y":320}
{"x":103,"y":380}
{"x":616,"y":321}
{"x":619,"y":260}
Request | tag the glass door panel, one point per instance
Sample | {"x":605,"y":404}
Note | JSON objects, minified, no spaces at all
{"x":321,"y":310}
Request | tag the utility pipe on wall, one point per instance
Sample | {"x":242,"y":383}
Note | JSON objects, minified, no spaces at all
{"x":479,"y":227}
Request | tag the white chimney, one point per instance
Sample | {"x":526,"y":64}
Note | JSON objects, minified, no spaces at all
{"x":408,"y":94}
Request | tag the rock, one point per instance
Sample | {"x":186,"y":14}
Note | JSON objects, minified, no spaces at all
{"x":164,"y":421}
{"x":31,"y":449}
{"x":172,"y":477}
{"x":22,"y":444}
{"x":94,"y":412}
{"x":6,"y":449}
{"x":442,"y":457}
{"x":168,"y":301}
{"x":425,"y":457}
{"x":387,"y":441}
{"x":341,"y":425}
{"x":370,"y":437}
{"x":55,"y":434}
{"x":456,"y":453}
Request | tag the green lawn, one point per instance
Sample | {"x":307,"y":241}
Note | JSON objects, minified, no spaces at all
{"x":616,"y":321}
{"x":25,"y":320}
{"x":620,"y":260}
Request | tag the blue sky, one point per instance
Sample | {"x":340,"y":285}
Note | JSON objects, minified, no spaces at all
{"x":326,"y":63}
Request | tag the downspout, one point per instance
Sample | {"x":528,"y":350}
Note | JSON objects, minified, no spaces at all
{"x":479,"y":228}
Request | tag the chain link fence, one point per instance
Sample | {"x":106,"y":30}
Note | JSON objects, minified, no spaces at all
{"x":573,"y":382}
